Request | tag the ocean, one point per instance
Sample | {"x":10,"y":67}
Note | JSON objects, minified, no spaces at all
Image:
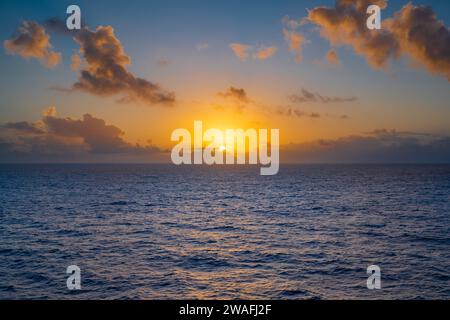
{"x":188,"y":232}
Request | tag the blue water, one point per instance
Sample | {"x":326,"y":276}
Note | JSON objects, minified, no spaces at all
{"x":160,"y":231}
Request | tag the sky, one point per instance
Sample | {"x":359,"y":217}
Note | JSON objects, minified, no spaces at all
{"x":115,"y":90}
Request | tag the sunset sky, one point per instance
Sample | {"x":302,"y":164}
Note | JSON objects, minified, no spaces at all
{"x":140,"y":69}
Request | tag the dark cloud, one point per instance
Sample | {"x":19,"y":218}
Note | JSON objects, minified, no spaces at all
{"x":32,"y":41}
{"x":236,"y":98}
{"x":422,"y":37}
{"x":96,"y":134}
{"x":289,"y":111}
{"x":24,"y":127}
{"x":380,"y":147}
{"x":238,"y":94}
{"x":308,"y":96}
{"x":414,"y":31}
{"x":105,"y":71}
{"x":58,"y":25}
{"x":66,"y":139}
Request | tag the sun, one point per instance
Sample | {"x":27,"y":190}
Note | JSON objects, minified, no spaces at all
{"x":222,"y":148}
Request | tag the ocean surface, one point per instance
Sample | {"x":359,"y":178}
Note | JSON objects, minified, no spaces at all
{"x":161,"y":231}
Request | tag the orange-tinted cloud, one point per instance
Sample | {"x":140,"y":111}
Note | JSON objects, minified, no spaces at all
{"x":345,"y":24}
{"x":295,"y":41}
{"x":241,"y":50}
{"x":422,"y":37}
{"x":76,"y":62}
{"x":49,"y":112}
{"x":244,"y":51}
{"x":105,"y":72}
{"x":414,"y":31}
{"x":33,"y":42}
{"x":265,"y":53}
{"x":332,"y":57}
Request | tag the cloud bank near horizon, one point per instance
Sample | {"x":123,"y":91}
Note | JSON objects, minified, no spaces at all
{"x":56,"y":139}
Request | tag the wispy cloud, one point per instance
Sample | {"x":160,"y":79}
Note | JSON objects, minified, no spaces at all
{"x":293,"y":23}
{"x":309,"y":96}
{"x":295,"y":42}
{"x":289,"y":111}
{"x":244,"y":51}
{"x":332,"y":57}
{"x":265,"y":52}
{"x":241,"y":50}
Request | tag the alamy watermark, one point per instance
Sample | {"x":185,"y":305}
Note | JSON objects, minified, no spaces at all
{"x":74,"y":280}
{"x":231,"y":146}
{"x":374,"y":279}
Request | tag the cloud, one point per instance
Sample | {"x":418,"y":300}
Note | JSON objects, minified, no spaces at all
{"x":236,"y":98}
{"x":76,"y":62}
{"x":241,"y":50}
{"x":289,"y":111}
{"x":49,"y":112}
{"x":332,"y":57}
{"x":346,"y":25}
{"x":235,"y":93}
{"x":58,"y":25}
{"x":244,"y":51}
{"x":414,"y":31}
{"x":293,"y":23}
{"x":66,"y":139}
{"x":23,"y":127}
{"x":295,"y":41}
{"x":308,"y":96}
{"x":422,"y":37}
{"x":265,"y":53}
{"x":373,"y":148}
{"x":106,"y":74}
{"x":33,"y":42}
